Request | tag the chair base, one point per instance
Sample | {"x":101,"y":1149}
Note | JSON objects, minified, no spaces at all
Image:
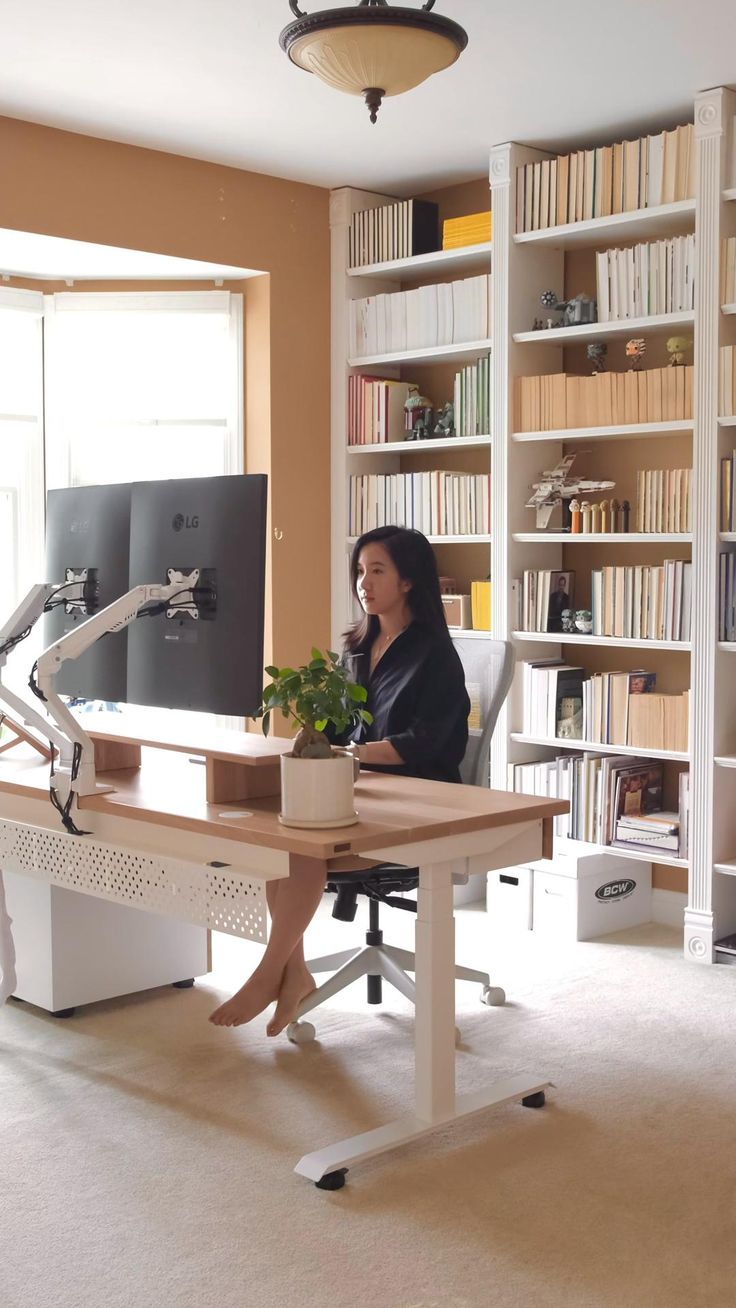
{"x":385,"y":961}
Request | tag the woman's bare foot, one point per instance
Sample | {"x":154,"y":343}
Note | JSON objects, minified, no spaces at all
{"x":258,"y":992}
{"x":296,"y":983}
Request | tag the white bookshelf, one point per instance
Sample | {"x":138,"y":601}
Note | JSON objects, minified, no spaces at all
{"x":597,"y":748}
{"x":657,"y":324}
{"x":624,"y":432}
{"x":525,"y":265}
{"x":421,"y":447}
{"x":615,"y":229}
{"x":442,"y":540}
{"x":456,"y":353}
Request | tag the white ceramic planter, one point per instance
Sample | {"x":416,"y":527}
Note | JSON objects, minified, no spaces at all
{"x":317,"y":792}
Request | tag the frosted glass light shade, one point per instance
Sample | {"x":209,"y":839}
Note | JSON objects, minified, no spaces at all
{"x":395,"y":59}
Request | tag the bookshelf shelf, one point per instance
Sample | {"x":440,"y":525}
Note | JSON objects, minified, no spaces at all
{"x":421,"y":447}
{"x":729,"y":646}
{"x":610,"y":537}
{"x":430,"y":354}
{"x":451,"y":261}
{"x":727,"y":422}
{"x":632,"y":431}
{"x":468,"y":633}
{"x":595,"y":748}
{"x":657,"y":324}
{"x":443,"y":540}
{"x":725,"y":761}
{"x":728,"y":308}
{"x":659,"y":220}
{"x":727,"y":535}
{"x":726,"y":869}
{"x":617,"y":642}
{"x":645,"y":856}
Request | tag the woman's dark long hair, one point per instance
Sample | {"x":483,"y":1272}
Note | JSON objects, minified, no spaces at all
{"x":414,"y":560}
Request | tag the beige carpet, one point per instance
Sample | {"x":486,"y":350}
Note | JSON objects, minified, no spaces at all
{"x":145,"y":1156}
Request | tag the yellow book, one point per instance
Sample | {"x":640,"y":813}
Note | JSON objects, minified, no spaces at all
{"x":480,"y":604}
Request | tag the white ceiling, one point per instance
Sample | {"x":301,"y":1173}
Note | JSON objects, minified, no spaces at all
{"x":206,"y":78}
{"x":53,"y":258}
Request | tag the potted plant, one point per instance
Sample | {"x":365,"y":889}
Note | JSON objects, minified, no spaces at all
{"x":317,"y":780}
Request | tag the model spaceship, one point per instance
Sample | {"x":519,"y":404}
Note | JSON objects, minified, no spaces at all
{"x":557,"y":486}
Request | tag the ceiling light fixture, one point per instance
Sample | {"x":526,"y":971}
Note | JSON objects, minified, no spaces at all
{"x":376,"y":49}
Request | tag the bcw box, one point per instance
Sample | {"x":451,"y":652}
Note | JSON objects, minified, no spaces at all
{"x":579,"y":895}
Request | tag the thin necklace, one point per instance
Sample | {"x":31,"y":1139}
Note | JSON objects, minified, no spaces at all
{"x":388,"y":640}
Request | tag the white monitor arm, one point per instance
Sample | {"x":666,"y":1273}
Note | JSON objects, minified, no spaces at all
{"x":75,"y":772}
{"x":18,"y":626}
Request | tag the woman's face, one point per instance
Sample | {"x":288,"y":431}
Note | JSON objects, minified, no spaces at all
{"x":380,"y":588}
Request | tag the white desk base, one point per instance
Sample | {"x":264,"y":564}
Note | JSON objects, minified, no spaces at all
{"x":31,"y":845}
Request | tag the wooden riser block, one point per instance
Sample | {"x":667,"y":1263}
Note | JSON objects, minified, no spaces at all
{"x":228,"y":782}
{"x":113,"y":756}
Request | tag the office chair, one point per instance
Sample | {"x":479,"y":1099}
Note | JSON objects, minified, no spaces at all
{"x":490,"y":665}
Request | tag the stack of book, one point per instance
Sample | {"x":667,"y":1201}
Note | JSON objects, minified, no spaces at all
{"x":472,"y":399}
{"x":653,"y":278}
{"x":376,"y":409}
{"x":564,"y":702}
{"x":728,"y":270}
{"x":556,"y":401}
{"x":429,"y":316}
{"x":664,"y":500}
{"x":607,"y":180}
{"x":614,"y":800}
{"x":633,"y":602}
{"x":437,"y":503}
{"x":393,"y":231}
{"x":472,"y":229}
{"x":727,"y":382}
{"x":727,"y":520}
{"x":727,"y":596}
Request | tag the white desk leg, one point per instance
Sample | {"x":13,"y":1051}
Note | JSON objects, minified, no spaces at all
{"x":434,"y":1047}
{"x":7,"y":949}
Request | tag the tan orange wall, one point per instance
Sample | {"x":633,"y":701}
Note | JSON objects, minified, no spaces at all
{"x":86,"y":189}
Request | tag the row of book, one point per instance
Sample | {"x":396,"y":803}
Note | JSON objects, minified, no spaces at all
{"x":634,"y":602}
{"x":472,"y":399}
{"x":727,"y":596}
{"x":727,"y":517}
{"x":393,"y":231}
{"x":565,"y":702}
{"x":376,"y":409}
{"x":471,"y":229}
{"x":429,"y":316}
{"x":437,"y":503}
{"x":728,"y":270}
{"x":727,"y":382}
{"x":614,"y":800}
{"x":609,"y":179}
{"x":652,"y":278}
{"x":557,"y":400}
{"x":664,"y":500}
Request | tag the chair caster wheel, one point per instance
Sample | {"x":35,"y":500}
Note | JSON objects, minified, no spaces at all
{"x":493,"y":996}
{"x":183,"y":985}
{"x":332,"y":1180}
{"x":64,"y":1012}
{"x":534,"y":1101}
{"x":301,"y":1033}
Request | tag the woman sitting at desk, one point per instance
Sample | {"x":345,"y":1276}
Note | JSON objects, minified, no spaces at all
{"x":402,"y":652}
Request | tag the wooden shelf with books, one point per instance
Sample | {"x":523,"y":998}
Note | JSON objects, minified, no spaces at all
{"x":615,"y":642}
{"x":437,"y":261}
{"x":626,"y":431}
{"x":590,"y":746}
{"x":660,"y":324}
{"x":661,"y":220}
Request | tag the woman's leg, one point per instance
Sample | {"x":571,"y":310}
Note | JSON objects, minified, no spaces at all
{"x":293,"y":903}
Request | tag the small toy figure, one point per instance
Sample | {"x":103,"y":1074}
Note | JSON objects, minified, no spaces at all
{"x":445,"y":425}
{"x":585,"y":513}
{"x":566,"y":617}
{"x":676,"y":347}
{"x":580,"y":309}
{"x":576,"y":517}
{"x":416,"y":409}
{"x":558,"y":487}
{"x":595,"y":518}
{"x":584,"y":621}
{"x":596,"y":353}
{"x":636,"y":348}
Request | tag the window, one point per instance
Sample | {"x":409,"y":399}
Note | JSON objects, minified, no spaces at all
{"x":21,"y":444}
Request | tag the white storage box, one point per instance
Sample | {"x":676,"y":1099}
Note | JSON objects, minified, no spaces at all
{"x":580,"y":896}
{"x":509,"y":898}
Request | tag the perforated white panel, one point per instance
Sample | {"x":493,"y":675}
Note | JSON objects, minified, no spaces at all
{"x":212,"y":896}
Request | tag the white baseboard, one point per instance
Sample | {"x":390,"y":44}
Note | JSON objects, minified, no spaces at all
{"x":668,"y":907}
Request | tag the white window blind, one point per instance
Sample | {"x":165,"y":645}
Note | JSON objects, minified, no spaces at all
{"x":21,"y":445}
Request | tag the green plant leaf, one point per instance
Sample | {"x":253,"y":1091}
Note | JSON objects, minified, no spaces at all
{"x":266,"y":723}
{"x":358,"y":693}
{"x":320,"y":726}
{"x":271,"y":672}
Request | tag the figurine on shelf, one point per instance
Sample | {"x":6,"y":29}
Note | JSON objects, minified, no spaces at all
{"x":584,"y":621}
{"x":676,"y":347}
{"x":418,"y":415}
{"x":636,"y":348}
{"x":596,"y":352}
{"x":557,"y":487}
{"x":445,"y":425}
{"x":576,"y":311}
{"x":566,"y":617}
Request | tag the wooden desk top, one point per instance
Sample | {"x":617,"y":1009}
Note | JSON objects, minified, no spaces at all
{"x":169,"y":790}
{"x":251,"y":748}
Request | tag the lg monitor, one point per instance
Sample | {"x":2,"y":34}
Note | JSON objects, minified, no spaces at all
{"x":88,"y":541}
{"x":207,"y":654}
